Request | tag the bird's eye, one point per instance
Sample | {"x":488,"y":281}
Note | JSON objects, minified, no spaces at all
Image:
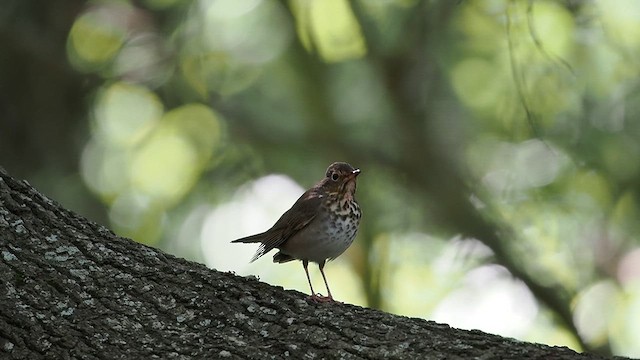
{"x":335,"y":176}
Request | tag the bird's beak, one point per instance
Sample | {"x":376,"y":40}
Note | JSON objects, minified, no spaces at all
{"x":354,"y":174}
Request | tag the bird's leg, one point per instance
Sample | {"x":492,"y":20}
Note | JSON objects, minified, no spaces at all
{"x":316,"y":297}
{"x":305,"y":264}
{"x":330,"y":297}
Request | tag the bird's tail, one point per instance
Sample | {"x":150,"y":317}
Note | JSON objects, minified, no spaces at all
{"x":257,"y":238}
{"x":250,"y":239}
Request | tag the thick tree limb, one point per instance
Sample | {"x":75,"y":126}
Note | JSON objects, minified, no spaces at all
{"x":72,"y":289}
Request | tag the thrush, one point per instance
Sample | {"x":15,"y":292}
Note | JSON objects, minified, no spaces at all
{"x":320,"y":226}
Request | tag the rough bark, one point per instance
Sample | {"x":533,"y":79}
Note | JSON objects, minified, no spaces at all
{"x":73,"y":289}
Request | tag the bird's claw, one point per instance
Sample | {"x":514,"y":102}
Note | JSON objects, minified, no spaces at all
{"x":319,"y":298}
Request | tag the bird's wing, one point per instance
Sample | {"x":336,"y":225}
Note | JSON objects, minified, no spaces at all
{"x":290,"y":223}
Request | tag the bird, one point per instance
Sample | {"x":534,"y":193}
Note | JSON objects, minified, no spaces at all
{"x":319,"y":226}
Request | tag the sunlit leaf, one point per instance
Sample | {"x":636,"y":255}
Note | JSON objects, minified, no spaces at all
{"x":330,"y":28}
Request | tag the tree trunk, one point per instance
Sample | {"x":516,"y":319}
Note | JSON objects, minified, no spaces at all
{"x":73,"y":289}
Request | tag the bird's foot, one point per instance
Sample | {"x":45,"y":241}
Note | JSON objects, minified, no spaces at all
{"x":318,"y":298}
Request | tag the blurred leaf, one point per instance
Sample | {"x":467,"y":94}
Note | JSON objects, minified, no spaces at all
{"x":126,"y":113}
{"x":96,"y":36}
{"x":329,"y":27}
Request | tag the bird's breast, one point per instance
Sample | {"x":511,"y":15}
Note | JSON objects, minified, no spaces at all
{"x":328,"y":236}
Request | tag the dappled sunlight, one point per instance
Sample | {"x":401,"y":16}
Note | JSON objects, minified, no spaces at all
{"x":478,"y":83}
{"x":329,"y":28}
{"x":414,"y":286}
{"x":164,"y":166}
{"x":588,"y":190}
{"x":144,"y":59}
{"x":135,"y":215}
{"x":228,"y":42}
{"x":115,"y":38}
{"x":249,"y":32}
{"x":552,"y":243}
{"x":489,"y":300}
{"x":98,"y":34}
{"x":104,"y":168}
{"x":628,"y":272}
{"x":422,"y":270}
{"x":623,"y":324}
{"x":592,"y":300}
{"x":536,"y":44}
{"x":253,"y":209}
{"x":125,"y":113}
{"x":442,"y":282}
{"x":620,"y":19}
{"x":507,"y":169}
{"x":624,"y":331}
{"x":141,"y":160}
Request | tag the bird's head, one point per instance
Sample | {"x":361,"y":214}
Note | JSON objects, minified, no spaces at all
{"x":340,"y":178}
